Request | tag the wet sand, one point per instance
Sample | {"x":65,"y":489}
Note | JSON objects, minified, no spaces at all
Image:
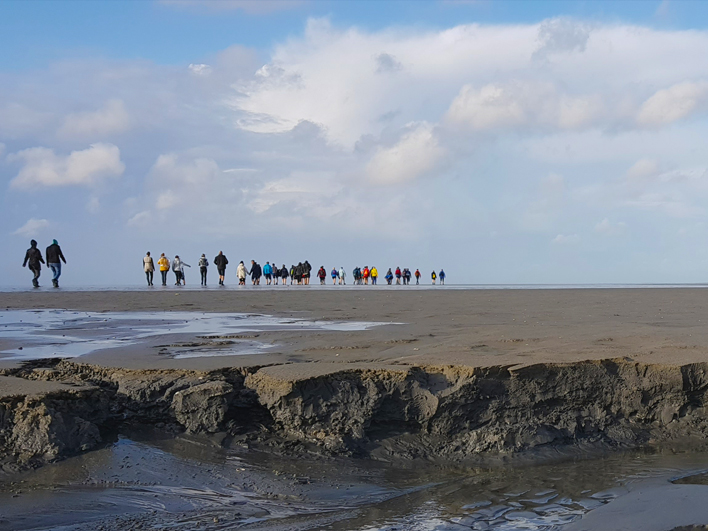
{"x":476,"y":328}
{"x":471,"y":328}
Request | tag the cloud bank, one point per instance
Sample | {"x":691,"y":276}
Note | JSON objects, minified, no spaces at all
{"x":529,"y":132}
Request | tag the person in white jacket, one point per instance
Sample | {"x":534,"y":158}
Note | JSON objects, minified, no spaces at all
{"x":241,"y":274}
{"x":149,"y":268}
{"x":342,"y":275}
{"x":178,"y":269}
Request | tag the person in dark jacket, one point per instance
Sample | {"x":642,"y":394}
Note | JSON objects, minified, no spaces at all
{"x":203,"y":268}
{"x":276,"y":274}
{"x":306,"y":272}
{"x":220,"y":262}
{"x":54,"y":259}
{"x":33,"y":256}
{"x":255,"y":272}
{"x":284,"y":275}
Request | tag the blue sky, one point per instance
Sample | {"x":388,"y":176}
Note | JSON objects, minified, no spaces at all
{"x":509,"y":141}
{"x":35,"y":33}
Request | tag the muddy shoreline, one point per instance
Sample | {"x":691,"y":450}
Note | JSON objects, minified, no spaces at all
{"x":453,"y":377}
{"x":455,"y":374}
{"x":429,"y":413}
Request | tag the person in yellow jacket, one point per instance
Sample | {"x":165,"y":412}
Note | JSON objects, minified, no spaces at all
{"x":374,"y":275}
{"x":164,"y":264}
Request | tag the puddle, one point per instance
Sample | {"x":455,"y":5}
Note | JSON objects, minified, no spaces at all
{"x":148,"y":482}
{"x":38,"y":334}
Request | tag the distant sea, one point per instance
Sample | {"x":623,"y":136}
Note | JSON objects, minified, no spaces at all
{"x":317,"y":286}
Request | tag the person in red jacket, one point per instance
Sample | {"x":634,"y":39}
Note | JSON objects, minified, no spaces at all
{"x":365,"y":273}
{"x":322,"y":275}
{"x":417,"y":276}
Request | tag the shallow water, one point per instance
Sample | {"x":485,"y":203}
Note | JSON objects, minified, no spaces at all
{"x":188,"y":483}
{"x":424,"y":285}
{"x":38,"y":334}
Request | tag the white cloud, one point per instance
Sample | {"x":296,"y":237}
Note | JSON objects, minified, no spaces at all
{"x":200,"y":69}
{"x":566,"y":239}
{"x":312,"y":193}
{"x":495,"y":113}
{"x":177,"y":183}
{"x":596,"y":76}
{"x":256,"y":7}
{"x":43,"y":167}
{"x":561,"y":35}
{"x":387,"y":63}
{"x":520,"y":105}
{"x":32,"y":228}
{"x":674,"y":103}
{"x":609,"y":228}
{"x":140,"y":219}
{"x":167,"y":200}
{"x":415,"y":154}
{"x":489,"y":107}
{"x":112,"y":118}
{"x":644,"y":169}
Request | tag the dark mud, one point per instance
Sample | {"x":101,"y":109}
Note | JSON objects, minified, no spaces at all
{"x":450,"y":413}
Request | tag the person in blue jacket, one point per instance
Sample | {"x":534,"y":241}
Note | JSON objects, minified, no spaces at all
{"x":441,"y":276}
{"x":268,"y":273}
{"x":389,"y":276}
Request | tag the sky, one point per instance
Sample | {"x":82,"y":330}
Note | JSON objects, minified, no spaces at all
{"x":508,"y":142}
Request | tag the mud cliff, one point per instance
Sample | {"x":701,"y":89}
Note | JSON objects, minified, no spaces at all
{"x":410,"y":411}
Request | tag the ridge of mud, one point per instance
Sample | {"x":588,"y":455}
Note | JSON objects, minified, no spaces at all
{"x":451,"y":412}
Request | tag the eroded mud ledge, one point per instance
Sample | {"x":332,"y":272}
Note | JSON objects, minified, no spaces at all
{"x":454,"y":412}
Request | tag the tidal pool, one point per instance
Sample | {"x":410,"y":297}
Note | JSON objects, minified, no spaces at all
{"x":145,"y":480}
{"x":39,"y":334}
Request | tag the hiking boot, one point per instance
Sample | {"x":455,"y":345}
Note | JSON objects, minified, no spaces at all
{"x":55,"y":283}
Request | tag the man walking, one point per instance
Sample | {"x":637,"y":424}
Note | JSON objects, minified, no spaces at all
{"x":34,"y":257}
{"x":54,"y":255}
{"x":221,"y":262}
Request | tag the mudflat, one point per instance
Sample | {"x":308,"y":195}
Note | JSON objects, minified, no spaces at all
{"x":475,"y":328}
{"x":463,"y":377}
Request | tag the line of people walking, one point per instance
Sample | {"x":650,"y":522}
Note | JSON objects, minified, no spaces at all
{"x":273,"y":275}
{"x":54,"y":256}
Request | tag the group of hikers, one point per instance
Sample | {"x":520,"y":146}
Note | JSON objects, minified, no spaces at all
{"x":54,"y":257}
{"x":362,"y":276}
{"x":270,"y":272}
{"x":273,"y":275}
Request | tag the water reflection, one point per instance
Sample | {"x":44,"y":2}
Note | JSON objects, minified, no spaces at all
{"x":183,"y":482}
{"x":64,"y":333}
